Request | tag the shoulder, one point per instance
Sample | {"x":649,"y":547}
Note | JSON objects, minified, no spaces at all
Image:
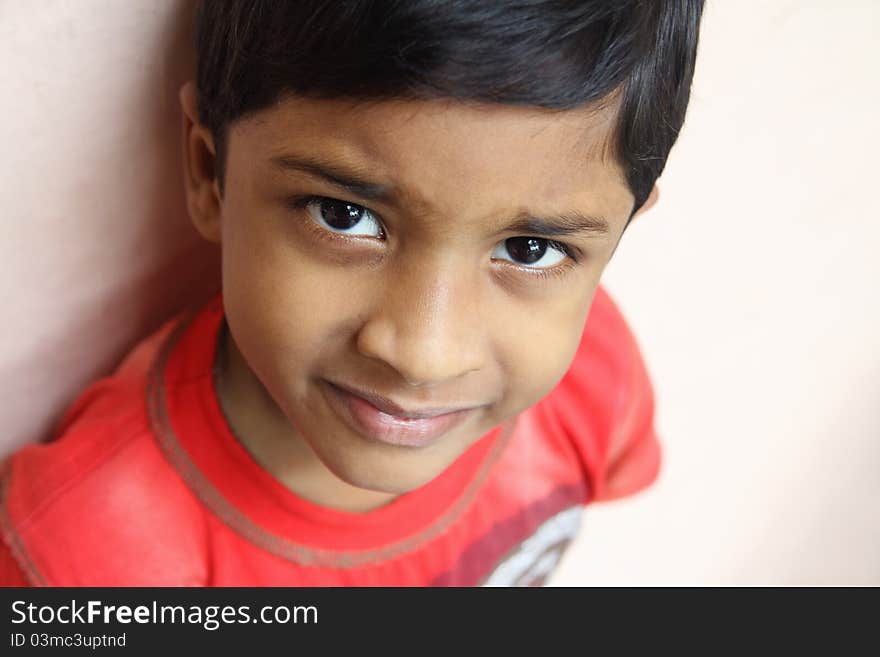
{"x":604,"y":405}
{"x":100,"y":499}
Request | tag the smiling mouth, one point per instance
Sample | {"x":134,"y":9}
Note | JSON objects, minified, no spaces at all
{"x":377,"y":418}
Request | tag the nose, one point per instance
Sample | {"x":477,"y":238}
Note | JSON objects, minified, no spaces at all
{"x":427,"y":324}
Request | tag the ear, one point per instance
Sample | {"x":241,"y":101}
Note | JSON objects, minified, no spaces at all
{"x":649,"y":202}
{"x":199,"y":168}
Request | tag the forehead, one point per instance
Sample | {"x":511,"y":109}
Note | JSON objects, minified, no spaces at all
{"x":441,"y":154}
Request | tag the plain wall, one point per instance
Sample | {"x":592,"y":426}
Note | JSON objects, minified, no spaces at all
{"x":752,"y":286}
{"x":96,"y":247}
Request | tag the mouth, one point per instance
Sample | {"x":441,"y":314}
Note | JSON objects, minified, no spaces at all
{"x":381,"y":420}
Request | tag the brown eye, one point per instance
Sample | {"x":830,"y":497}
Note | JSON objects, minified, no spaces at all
{"x":343,"y":217}
{"x":340,"y":215}
{"x":530,"y":251}
{"x":526,"y":250}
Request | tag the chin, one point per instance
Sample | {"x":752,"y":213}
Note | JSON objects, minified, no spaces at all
{"x":386,"y":486}
{"x":394,"y":480}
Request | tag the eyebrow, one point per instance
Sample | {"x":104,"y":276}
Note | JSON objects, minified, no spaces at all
{"x":569,"y":223}
{"x":335,"y":175}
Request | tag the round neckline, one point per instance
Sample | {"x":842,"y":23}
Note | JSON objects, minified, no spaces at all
{"x":193,"y":431}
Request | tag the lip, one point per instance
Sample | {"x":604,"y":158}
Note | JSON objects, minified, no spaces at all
{"x":380,"y":419}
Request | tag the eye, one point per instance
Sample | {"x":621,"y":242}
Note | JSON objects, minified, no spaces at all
{"x":534,"y":252}
{"x":344,"y":217}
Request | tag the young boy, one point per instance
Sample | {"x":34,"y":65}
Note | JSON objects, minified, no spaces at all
{"x":412,"y":376}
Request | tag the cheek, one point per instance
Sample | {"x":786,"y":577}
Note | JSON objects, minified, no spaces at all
{"x":539,"y":353}
{"x":284,"y":309}
{"x":541,"y":365}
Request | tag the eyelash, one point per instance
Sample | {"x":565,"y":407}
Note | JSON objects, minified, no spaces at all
{"x":557,"y":271}
{"x":301,"y":202}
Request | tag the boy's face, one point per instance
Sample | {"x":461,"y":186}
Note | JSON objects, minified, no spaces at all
{"x":405,"y":282}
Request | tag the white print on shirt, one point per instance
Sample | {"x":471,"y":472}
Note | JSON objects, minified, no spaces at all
{"x":537,"y":557}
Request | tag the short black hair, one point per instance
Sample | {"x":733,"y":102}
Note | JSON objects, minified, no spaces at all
{"x":558,"y":54}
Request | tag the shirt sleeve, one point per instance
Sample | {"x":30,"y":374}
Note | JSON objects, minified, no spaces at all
{"x":604,"y":406}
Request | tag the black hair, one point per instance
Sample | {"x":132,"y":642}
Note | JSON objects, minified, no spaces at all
{"x":558,"y":54}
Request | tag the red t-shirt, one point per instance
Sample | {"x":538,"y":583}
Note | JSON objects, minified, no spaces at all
{"x":145,"y":485}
